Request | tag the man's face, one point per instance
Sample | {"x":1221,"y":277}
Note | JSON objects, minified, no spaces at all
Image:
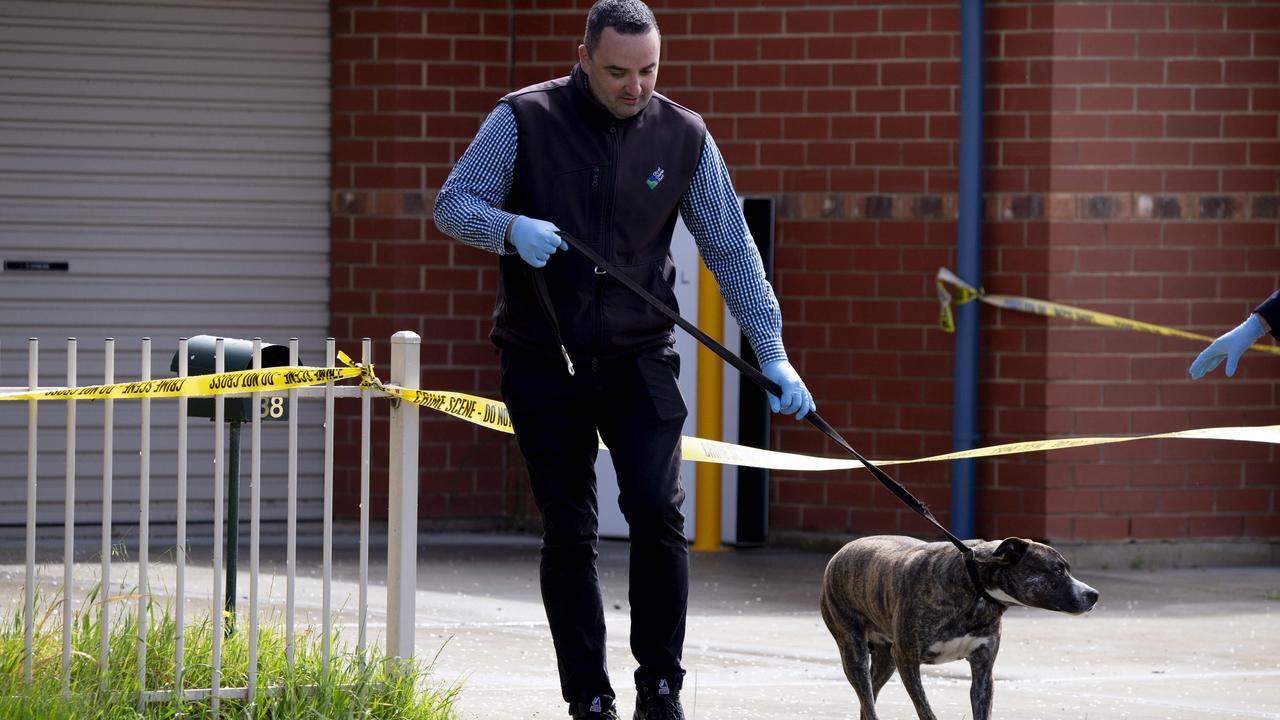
{"x":623,"y":70}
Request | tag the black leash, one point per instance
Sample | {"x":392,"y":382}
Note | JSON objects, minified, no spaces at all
{"x":544,"y":299}
{"x":768,"y":385}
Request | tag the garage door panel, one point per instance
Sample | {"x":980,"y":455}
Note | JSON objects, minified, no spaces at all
{"x":127,"y":36}
{"x":174,"y":153}
{"x":58,"y":136}
{"x":36,"y":240}
{"x":145,"y":213}
{"x":187,"y":17}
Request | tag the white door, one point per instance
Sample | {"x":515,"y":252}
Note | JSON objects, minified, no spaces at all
{"x":685,"y":253}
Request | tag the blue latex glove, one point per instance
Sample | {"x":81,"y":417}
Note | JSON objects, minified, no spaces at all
{"x":795,"y":396}
{"x":1230,"y":345}
{"x":535,"y":240}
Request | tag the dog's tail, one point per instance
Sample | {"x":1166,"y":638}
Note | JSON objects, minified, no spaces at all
{"x":832,"y":616}
{"x":849,"y":631}
{"x":838,"y":615}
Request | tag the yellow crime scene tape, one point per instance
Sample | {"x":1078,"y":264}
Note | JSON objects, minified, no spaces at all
{"x":493,"y":415}
{"x":241,"y":381}
{"x":965,"y":293}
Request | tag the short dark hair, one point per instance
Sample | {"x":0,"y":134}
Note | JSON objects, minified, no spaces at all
{"x":628,"y":17}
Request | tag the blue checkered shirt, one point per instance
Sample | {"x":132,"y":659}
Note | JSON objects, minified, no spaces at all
{"x":467,"y":208}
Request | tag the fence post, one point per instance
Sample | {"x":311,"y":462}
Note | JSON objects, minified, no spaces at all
{"x":69,"y":524}
{"x":402,"y":509}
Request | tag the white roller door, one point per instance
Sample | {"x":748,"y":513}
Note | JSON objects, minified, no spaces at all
{"x":164,"y":172}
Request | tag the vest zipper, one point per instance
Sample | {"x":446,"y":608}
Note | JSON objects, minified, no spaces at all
{"x":599,"y":274}
{"x":606,"y":244}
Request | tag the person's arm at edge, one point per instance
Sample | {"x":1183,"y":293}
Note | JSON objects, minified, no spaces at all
{"x":710,"y":210}
{"x":1269,"y":313}
{"x":1233,"y":344}
{"x":466,"y":207}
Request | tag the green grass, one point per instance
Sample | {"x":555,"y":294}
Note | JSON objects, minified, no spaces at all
{"x":351,"y":688}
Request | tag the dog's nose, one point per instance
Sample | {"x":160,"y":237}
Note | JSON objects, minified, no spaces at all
{"x":1091,"y":597}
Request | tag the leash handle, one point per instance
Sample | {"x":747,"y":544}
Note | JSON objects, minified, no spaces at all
{"x":760,"y":380}
{"x":544,"y":299}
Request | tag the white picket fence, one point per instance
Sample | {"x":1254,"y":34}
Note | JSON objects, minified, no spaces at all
{"x":401,"y":521}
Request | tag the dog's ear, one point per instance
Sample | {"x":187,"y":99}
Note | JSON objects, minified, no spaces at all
{"x":1010,"y":551}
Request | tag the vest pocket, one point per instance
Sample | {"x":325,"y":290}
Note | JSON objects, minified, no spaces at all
{"x":578,"y":209}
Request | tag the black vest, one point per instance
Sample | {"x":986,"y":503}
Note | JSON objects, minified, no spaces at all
{"x":615,"y":184}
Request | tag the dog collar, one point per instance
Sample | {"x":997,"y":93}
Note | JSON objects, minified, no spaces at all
{"x":971,"y":566}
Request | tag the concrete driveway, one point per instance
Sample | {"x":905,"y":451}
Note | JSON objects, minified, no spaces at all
{"x":1161,"y":644}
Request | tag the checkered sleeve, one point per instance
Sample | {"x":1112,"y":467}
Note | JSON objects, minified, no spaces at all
{"x":467,"y":204}
{"x":1270,"y":311}
{"x":711,"y":211}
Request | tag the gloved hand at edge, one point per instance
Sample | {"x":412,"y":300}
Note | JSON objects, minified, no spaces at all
{"x":535,"y":240}
{"x":795,"y":396}
{"x":1230,"y":345}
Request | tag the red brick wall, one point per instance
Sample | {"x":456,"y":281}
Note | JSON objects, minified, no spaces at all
{"x":410,"y":83}
{"x":1132,"y":162}
{"x":1134,"y":171}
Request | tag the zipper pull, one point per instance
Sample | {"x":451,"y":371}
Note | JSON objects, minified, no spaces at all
{"x":595,"y":176}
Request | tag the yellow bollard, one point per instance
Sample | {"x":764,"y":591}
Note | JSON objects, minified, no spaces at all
{"x":710,"y":369}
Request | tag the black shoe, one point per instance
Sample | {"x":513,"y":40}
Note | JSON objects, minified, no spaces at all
{"x":597,"y":709}
{"x":659,"y":700}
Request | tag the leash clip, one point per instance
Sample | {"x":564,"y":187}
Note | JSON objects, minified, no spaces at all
{"x":567,"y":360}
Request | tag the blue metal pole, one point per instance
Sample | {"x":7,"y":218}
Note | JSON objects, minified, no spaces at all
{"x":964,"y":430}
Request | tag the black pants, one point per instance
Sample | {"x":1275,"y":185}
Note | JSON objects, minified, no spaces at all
{"x":635,"y":405}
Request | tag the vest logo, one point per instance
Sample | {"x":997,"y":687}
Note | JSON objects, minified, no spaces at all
{"x":655,"y":177}
{"x":596,"y":705}
{"x":663,"y":687}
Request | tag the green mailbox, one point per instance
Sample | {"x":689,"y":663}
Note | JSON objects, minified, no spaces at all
{"x":237,"y":355}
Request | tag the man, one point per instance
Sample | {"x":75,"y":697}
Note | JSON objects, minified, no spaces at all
{"x":602,"y":156}
{"x":1231,"y":345}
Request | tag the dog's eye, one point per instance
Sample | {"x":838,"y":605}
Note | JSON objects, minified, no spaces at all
{"x":1062,"y":568}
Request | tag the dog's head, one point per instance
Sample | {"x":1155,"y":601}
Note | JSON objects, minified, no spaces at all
{"x":1023,"y":572}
